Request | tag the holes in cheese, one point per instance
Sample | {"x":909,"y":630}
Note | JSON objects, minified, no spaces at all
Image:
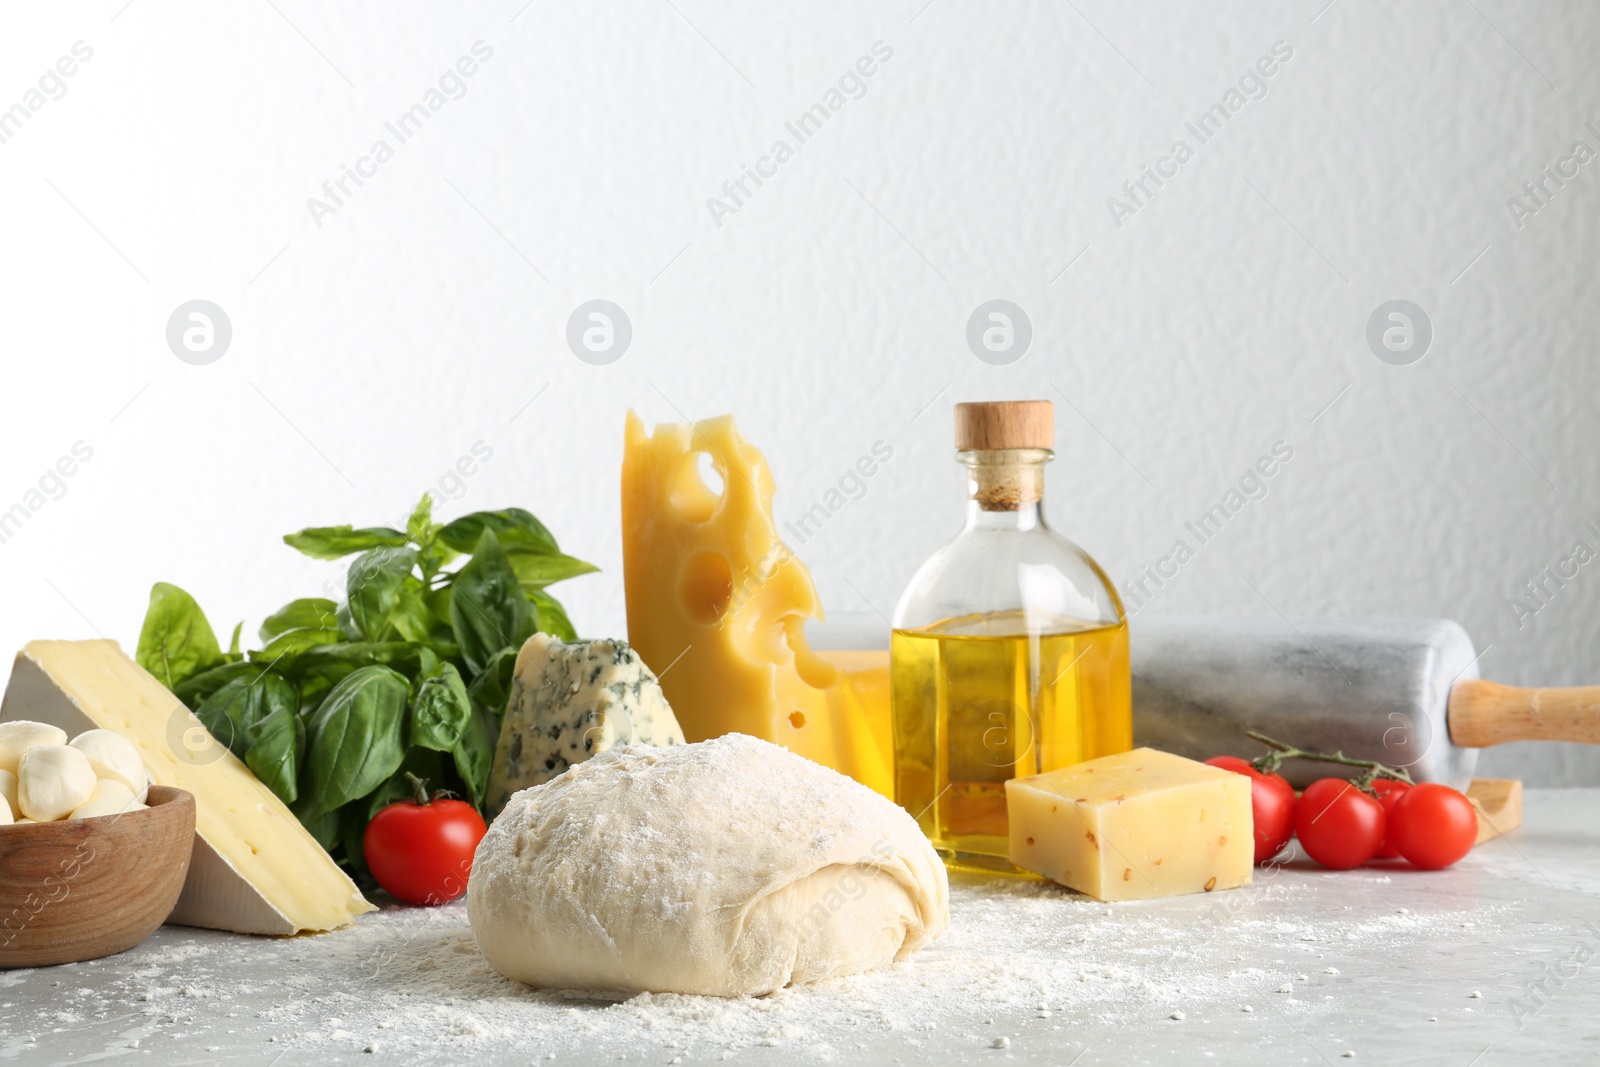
{"x":697,"y":487}
{"x":707,"y":586}
{"x":717,"y":603}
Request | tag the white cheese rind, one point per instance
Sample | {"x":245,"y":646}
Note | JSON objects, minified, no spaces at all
{"x":569,"y":702}
{"x":255,"y":869}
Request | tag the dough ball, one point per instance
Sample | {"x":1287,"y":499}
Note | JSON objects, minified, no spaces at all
{"x":52,"y":780}
{"x":114,"y":756}
{"x":731,"y":867}
{"x":19,"y":736}
{"x":110,"y":797}
{"x":8,"y":790}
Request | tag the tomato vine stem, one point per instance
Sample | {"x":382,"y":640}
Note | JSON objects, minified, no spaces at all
{"x":1269,"y":763}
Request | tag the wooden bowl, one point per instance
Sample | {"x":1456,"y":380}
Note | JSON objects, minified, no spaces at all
{"x":79,"y":889}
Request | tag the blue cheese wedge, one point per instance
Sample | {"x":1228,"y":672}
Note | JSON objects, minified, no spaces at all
{"x":570,"y":701}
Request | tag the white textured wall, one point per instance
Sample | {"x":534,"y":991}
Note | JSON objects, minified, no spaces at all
{"x":372,"y":351}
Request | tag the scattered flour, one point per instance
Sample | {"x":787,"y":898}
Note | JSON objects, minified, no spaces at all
{"x":409,"y":983}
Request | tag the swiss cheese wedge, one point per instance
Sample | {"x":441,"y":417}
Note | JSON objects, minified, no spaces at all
{"x":255,"y":869}
{"x":717,"y":603}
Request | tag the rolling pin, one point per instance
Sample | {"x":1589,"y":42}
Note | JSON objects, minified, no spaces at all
{"x":1402,"y":691}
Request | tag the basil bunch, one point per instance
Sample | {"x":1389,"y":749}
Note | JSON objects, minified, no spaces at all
{"x":410,"y":674}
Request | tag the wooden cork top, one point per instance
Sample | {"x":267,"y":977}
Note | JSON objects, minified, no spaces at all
{"x":1005,"y":424}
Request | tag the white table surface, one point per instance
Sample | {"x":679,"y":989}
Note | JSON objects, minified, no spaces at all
{"x":1378,"y":963}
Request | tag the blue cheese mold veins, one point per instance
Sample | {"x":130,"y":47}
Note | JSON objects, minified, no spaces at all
{"x":570,"y":701}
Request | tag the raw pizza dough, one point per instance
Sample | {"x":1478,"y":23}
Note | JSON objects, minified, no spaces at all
{"x":731,"y":867}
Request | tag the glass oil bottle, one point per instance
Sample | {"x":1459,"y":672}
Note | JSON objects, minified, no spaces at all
{"x":1009,"y":655}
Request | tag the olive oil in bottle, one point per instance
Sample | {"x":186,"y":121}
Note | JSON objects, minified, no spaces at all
{"x":1010,"y":648}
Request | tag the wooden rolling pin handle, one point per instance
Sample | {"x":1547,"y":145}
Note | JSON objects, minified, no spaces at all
{"x":1486,"y":713}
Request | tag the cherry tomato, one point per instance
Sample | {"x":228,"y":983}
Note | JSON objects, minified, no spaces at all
{"x":1271,"y":805}
{"x":1389,"y":793}
{"x":1273,"y":801}
{"x":422,"y":852}
{"x":1433,"y":825}
{"x":1339,"y":826}
{"x":1232,"y":763}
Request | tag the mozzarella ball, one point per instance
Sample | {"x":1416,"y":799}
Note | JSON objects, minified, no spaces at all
{"x":52,"y":780}
{"x":110,"y":797}
{"x":17,"y":737}
{"x":8,"y":790}
{"x":114,"y":756}
{"x":5,"y":812}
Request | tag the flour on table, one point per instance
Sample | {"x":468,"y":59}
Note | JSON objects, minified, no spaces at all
{"x":409,"y":983}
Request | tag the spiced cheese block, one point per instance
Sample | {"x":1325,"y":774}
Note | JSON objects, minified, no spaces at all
{"x":570,"y":701}
{"x":1133,"y":826}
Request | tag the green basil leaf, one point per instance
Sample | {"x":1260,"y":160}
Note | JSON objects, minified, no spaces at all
{"x":488,"y":610}
{"x":194,"y":690}
{"x":291,"y":643}
{"x":353,"y":819}
{"x":314,"y":688}
{"x":396,"y":788}
{"x":410,"y":616}
{"x":491,"y":688}
{"x":336,"y":542}
{"x":276,"y":745}
{"x":420,"y":527}
{"x":354,"y":741}
{"x":535,"y":570}
{"x":373,"y":586}
{"x":222,"y":711}
{"x":324,"y":826}
{"x":440,"y":634}
{"x":176,"y":642}
{"x":440,"y":713}
{"x":473,"y":754}
{"x":307,"y":613}
{"x":438,"y":601}
{"x":335,"y":662}
{"x":552,"y":616}
{"x":511,"y":525}
{"x":233,"y":646}
{"x":435,"y":555}
{"x":235,"y":709}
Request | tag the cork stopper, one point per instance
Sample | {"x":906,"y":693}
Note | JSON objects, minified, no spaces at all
{"x":1005,"y":424}
{"x":1005,"y":445}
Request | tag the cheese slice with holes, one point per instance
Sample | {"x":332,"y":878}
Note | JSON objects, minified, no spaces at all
{"x":1135,"y":825}
{"x":255,"y":869}
{"x":717,"y":603}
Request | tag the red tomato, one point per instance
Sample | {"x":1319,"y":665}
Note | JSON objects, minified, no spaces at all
{"x":1271,"y":805}
{"x":1433,"y":825}
{"x":1273,"y":801}
{"x":1339,"y":826}
{"x":1232,"y":763}
{"x":1389,"y":793}
{"x":422,"y":853}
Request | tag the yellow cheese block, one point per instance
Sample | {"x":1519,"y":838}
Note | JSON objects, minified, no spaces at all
{"x":255,"y":869}
{"x":846,"y":725}
{"x":1135,"y":825}
{"x":717,"y":605}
